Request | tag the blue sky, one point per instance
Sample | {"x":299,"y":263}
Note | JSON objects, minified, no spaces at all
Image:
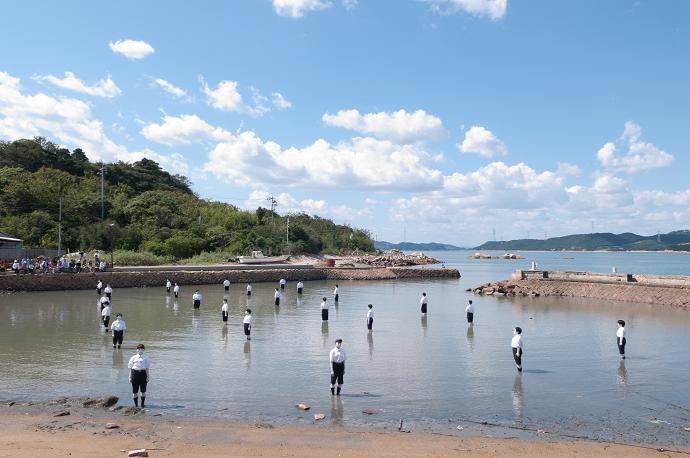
{"x":438,"y":119}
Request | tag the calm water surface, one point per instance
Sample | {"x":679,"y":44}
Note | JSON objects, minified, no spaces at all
{"x":435,"y":372}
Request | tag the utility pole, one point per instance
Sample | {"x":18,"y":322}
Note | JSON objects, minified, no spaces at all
{"x":102,"y":174}
{"x":274,"y":204}
{"x":60,"y":227}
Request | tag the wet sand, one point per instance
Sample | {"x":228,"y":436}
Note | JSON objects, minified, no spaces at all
{"x":35,"y":431}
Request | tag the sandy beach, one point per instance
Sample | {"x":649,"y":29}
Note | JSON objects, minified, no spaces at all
{"x":36,"y":431}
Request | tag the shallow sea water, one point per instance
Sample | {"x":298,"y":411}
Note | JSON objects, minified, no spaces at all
{"x":435,"y":371}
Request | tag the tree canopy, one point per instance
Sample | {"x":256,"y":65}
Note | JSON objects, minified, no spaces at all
{"x":146,"y":209}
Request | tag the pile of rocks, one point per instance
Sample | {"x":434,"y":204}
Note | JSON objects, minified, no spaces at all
{"x":394,"y":258}
{"x":504,"y":288}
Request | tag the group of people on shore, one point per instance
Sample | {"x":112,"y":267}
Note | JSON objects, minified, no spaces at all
{"x":139,"y":364}
{"x":60,"y":264}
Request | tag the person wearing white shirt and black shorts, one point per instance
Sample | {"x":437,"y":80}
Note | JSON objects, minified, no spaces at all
{"x":337,"y":359}
{"x":247,"y":322}
{"x":620,"y":338}
{"x":324,"y":310}
{"x":108,"y":291}
{"x":249,"y":289}
{"x":118,"y":327}
{"x":423,"y":302}
{"x":168,"y":285}
{"x":104,"y":301}
{"x":336,"y":292}
{"x":224,"y":311}
{"x":282,"y":282}
{"x":139,"y":375}
{"x":370,"y":317}
{"x":516,"y":345}
{"x":470,"y":313}
{"x":105,"y":315}
{"x":226,"y":285}
{"x":99,"y":287}
{"x":176,"y":290}
{"x":196,"y":299}
{"x":276,"y":297}
{"x":300,"y":287}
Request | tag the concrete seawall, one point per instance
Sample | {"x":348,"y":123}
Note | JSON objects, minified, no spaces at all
{"x":673,"y":290}
{"x":126,"y":279}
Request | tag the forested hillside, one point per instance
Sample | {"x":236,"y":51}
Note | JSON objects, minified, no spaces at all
{"x":150,"y":210}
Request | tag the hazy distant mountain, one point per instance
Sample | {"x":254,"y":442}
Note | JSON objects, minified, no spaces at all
{"x":676,"y":241}
{"x":409,"y":246}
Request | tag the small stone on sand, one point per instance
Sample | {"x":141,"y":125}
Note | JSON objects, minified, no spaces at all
{"x":303,"y":407}
{"x":139,"y":452}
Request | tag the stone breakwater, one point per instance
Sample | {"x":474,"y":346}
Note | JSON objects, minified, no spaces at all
{"x":669,"y":290}
{"x":57,"y":282}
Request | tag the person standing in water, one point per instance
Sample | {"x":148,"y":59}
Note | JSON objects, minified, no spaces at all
{"x":176,"y":290}
{"x":335,"y":292}
{"x":370,"y":317}
{"x":300,"y":287}
{"x":99,"y":287}
{"x":139,"y":367}
{"x":324,"y":310}
{"x":282,"y":282}
{"x":108,"y":291}
{"x":168,"y":285}
{"x":249,"y":289}
{"x":423,"y":302}
{"x":516,"y":345}
{"x":226,"y":285}
{"x":620,"y":338}
{"x":247,"y":322}
{"x":118,"y":327}
{"x":224,"y":311}
{"x":104,"y":301}
{"x":276,"y":296}
{"x":470,"y":313}
{"x":105,"y":315}
{"x":337,"y":359}
{"x":196,"y":299}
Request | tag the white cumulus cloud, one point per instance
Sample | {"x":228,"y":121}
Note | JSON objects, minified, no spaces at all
{"x":183,"y":130}
{"x":66,"y":121}
{"x":132,"y":49}
{"x":226,"y":97}
{"x":364,"y":163}
{"x":102,"y":88}
{"x":296,"y":8}
{"x":280,"y":102}
{"x":493,"y":9}
{"x":170,"y":88}
{"x":640,"y":156}
{"x":482,"y":141}
{"x":399,"y":126}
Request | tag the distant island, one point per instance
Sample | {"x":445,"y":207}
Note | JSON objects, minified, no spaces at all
{"x":672,"y":241}
{"x":409,"y":246}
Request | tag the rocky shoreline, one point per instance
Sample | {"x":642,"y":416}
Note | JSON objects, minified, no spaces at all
{"x":69,"y":281}
{"x":657,"y":290}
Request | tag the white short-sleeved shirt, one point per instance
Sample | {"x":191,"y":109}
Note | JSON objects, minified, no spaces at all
{"x":336,"y":290}
{"x":337,"y":355}
{"x":118,"y":325}
{"x":177,"y":288}
{"x":517,"y":341}
{"x":324,"y":305}
{"x":422,"y":300}
{"x":620,"y":333}
{"x":224,"y":307}
{"x":226,"y":283}
{"x":138,"y":362}
{"x":469,"y":308}
{"x":276,"y":294}
{"x":106,"y":311}
{"x":196,"y":296}
{"x":300,"y":284}
{"x":247,"y":319}
{"x":249,"y":287}
{"x":108,"y":289}
{"x":370,"y":313}
{"x":283,"y":281}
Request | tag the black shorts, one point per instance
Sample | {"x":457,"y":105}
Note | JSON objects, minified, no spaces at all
{"x":225,"y":316}
{"x":139,"y":381}
{"x":197,"y":303}
{"x":337,"y":373}
{"x":247,"y":329}
{"x":324,"y":314}
{"x":470,"y":317}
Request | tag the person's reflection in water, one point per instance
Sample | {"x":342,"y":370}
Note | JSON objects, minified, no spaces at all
{"x":324,"y":331}
{"x":622,"y":378}
{"x":299,"y":301}
{"x":176,"y":307}
{"x":195,"y":320}
{"x":247,"y":354}
{"x":470,"y":338}
{"x":424,"y":324}
{"x":517,"y":399}
{"x":167,"y":302}
{"x":370,"y":341}
{"x":118,"y":361}
{"x":224,"y":335}
{"x":337,"y":410}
